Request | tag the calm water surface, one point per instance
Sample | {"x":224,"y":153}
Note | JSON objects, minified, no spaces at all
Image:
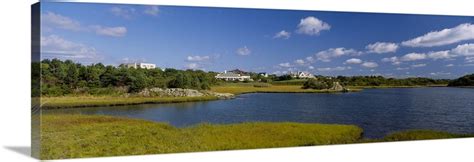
{"x":377,"y":111}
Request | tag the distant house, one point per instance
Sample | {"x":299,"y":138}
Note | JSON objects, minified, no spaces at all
{"x":141,"y":65}
{"x":302,"y":75}
{"x":230,"y":76}
{"x":263,"y":74}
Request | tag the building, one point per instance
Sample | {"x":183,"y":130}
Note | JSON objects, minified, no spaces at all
{"x":230,"y":76}
{"x":302,"y":75}
{"x":263,"y":74}
{"x":141,"y":65}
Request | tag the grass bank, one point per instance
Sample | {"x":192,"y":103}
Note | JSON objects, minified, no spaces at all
{"x":89,"y":101}
{"x":76,"y":136}
{"x":250,"y":88}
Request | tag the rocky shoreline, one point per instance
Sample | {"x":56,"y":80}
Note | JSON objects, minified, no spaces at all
{"x":180,"y":92}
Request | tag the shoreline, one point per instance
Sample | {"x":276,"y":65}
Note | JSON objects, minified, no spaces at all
{"x":64,"y":102}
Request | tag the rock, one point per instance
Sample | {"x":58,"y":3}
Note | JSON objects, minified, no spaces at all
{"x":180,"y":92}
{"x":221,"y":95}
{"x":338,"y":87}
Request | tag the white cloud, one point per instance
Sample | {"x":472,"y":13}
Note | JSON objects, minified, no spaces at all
{"x":370,"y":64}
{"x":394,"y":60}
{"x":339,"y":68}
{"x":311,"y":67}
{"x":119,"y":31}
{"x":418,"y":65}
{"x":400,"y":68}
{"x":282,"y":34}
{"x":197,"y":58}
{"x":439,"y":55}
{"x":449,"y":65}
{"x":439,"y":73}
{"x":469,"y":59}
{"x":464,"y":50}
{"x":327,"y":55}
{"x":310,"y":59}
{"x":54,"y":46}
{"x":413,"y":57}
{"x":286,"y":64}
{"x":459,"y":33}
{"x":51,"y":19}
{"x":243,"y":51}
{"x":152,"y":10}
{"x":124,"y":12}
{"x":353,"y":61}
{"x":382,"y":47}
{"x":192,"y":66}
{"x":300,"y":62}
{"x":312,"y":26}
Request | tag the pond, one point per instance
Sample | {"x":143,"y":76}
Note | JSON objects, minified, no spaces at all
{"x":377,"y":111}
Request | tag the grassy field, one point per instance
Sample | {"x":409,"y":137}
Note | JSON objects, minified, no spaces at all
{"x":249,"y":88}
{"x":75,"y":136}
{"x":82,"y":101}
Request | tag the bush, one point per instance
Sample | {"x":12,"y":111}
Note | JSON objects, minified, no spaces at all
{"x":316,"y":84}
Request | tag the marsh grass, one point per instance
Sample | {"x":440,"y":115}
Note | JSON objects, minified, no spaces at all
{"x":90,"y":101}
{"x":75,"y":136}
{"x":422,"y":135}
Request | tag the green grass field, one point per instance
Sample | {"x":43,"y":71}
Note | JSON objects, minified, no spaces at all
{"x":76,"y":136}
{"x":83,"y":101}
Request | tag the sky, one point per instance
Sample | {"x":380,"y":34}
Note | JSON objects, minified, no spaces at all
{"x":259,"y":40}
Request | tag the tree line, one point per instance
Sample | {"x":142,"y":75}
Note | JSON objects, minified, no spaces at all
{"x":67,"y":77}
{"x":467,"y":80}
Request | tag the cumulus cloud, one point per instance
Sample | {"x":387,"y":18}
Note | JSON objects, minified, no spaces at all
{"x":285,"y":65}
{"x":331,"y":53}
{"x":300,"y":62}
{"x":243,"y":51}
{"x":418,"y":65}
{"x":370,"y":64}
{"x":338,"y":68}
{"x":394,"y":60}
{"x":312,"y":26}
{"x":440,"y":73}
{"x":413,"y":57}
{"x":353,"y":61}
{"x":282,"y":34}
{"x":51,"y":19}
{"x":192,"y":66}
{"x":152,"y":10}
{"x":469,"y":59}
{"x":54,"y":46}
{"x":439,"y":55}
{"x":400,"y":68}
{"x":464,"y":50}
{"x":123,"y":12}
{"x":119,"y":31}
{"x":382,"y":47}
{"x":197,"y":58}
{"x":447,"y":36}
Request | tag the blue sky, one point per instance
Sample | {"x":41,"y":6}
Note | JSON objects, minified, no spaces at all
{"x":273,"y":41}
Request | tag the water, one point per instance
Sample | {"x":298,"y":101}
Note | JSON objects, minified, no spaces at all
{"x":377,"y":111}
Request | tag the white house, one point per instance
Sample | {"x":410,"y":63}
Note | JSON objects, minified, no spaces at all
{"x":141,"y":65}
{"x":302,"y":75}
{"x":229,"y":76}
